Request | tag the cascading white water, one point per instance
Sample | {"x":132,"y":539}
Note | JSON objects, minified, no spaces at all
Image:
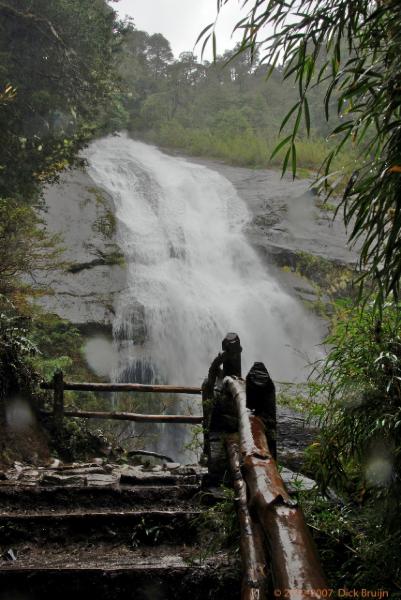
{"x":192,"y":275}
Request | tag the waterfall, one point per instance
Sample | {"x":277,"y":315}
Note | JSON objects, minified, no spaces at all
{"x":192,"y":276}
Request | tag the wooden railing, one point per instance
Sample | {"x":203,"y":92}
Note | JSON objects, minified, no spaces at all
{"x":59,"y":386}
{"x":239,"y":425}
{"x":240,"y":422}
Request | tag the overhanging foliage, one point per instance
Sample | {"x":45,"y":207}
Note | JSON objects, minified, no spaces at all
{"x":352,"y":48}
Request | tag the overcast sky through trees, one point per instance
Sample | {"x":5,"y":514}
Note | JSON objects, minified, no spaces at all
{"x":181,"y":21}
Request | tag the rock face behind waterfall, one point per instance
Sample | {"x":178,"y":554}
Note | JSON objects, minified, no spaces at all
{"x":94,"y":274}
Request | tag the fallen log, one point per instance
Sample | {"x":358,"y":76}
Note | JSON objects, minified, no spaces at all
{"x":296,"y":570}
{"x":123,"y":387}
{"x":251,"y":541}
{"x":125,"y":416}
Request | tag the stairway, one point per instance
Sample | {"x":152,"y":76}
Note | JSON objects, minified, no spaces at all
{"x":108,"y":531}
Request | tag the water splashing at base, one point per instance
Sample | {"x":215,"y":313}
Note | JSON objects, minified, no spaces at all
{"x":192,"y":276}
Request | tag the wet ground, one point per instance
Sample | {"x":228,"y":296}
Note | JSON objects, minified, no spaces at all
{"x":114,"y":530}
{"x":98,"y":519}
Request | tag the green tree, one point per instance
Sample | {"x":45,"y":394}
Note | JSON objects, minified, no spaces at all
{"x":56,"y":69}
{"x":230,"y":122}
{"x":57,"y":57}
{"x":159,"y":55}
{"x":156,"y":109}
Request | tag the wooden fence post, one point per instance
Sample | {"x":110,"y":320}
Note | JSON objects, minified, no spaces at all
{"x":219,"y":411}
{"x":58,"y":407}
{"x":231,"y":355}
{"x":261,"y":399}
{"x":207,"y":400}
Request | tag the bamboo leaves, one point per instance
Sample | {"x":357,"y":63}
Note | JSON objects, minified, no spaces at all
{"x":353,"y":49}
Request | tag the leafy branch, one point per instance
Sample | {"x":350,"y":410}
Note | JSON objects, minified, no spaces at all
{"x":352,"y":49}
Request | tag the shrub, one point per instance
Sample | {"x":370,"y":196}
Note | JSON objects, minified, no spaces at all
{"x":360,"y":444}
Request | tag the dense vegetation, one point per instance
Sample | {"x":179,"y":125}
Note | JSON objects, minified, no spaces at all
{"x":358,"y":451}
{"x":55,"y":67}
{"x":56,"y":73}
{"x":225,"y":109}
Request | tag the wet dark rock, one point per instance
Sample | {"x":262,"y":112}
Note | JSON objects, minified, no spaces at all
{"x":171,"y":466}
{"x":78,"y":267}
{"x":266,"y":220}
{"x":56,"y":479}
{"x":94,"y":329}
{"x":85,"y":291}
{"x":9,"y":555}
{"x":294,"y":435}
{"x":188,"y":470}
{"x":96,"y":479}
{"x":295,"y":482}
{"x":132,"y":313}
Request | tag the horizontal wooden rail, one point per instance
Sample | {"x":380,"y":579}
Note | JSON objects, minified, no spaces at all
{"x":125,"y":416}
{"x":122,"y":387}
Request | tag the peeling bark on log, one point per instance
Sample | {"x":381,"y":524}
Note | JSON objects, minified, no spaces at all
{"x":238,"y":394}
{"x":251,"y":541}
{"x":295,"y":565}
{"x":123,"y":416}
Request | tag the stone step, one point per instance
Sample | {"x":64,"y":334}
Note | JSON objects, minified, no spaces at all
{"x":108,"y":475}
{"x":109,"y":531}
{"x":103,"y":557}
{"x":138,"y":527}
{"x":117,"y":571}
{"x":43,"y":498}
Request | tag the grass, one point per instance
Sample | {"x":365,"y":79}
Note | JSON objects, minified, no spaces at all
{"x":352,"y":548}
{"x":249,"y":148}
{"x":326,"y":206}
{"x":297,"y":398}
